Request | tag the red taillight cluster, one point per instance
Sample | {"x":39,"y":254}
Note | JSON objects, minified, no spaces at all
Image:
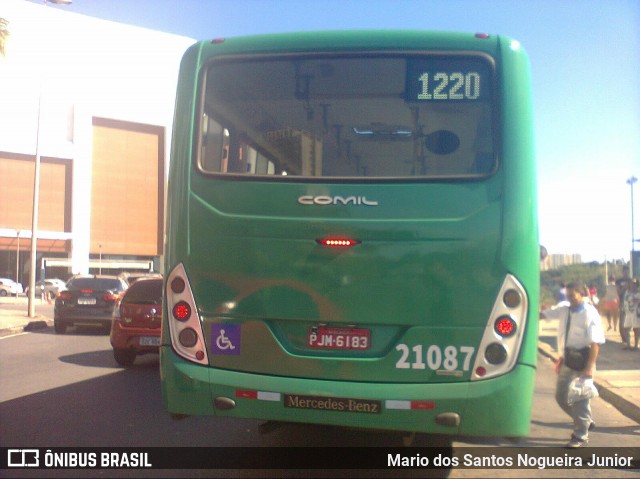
{"x":184,"y":323}
{"x":65,"y":295}
{"x":111,"y":297}
{"x":500,"y":344}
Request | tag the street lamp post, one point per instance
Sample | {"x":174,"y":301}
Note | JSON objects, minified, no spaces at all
{"x":36,"y":194}
{"x":18,"y":260}
{"x":631,"y":181}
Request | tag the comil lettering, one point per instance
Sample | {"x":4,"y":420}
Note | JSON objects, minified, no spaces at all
{"x":336,"y":200}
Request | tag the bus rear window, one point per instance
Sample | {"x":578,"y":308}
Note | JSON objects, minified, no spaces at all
{"x":349,"y":117}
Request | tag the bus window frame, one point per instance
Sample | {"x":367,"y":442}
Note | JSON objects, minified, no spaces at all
{"x":463,"y":178}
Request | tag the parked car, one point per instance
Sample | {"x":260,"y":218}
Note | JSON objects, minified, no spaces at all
{"x":9,"y":286}
{"x":87,"y":300}
{"x":135,"y":328}
{"x":51,"y":287}
{"x":135,"y":277}
{"x":131,"y":278}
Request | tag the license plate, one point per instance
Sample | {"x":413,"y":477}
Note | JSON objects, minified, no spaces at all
{"x":150,"y":341}
{"x":339,"y":338}
{"x":86,"y":300}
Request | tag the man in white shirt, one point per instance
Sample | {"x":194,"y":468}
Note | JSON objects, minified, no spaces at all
{"x":585,"y":330}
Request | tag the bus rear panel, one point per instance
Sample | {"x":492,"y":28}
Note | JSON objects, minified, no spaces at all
{"x":351,"y":237}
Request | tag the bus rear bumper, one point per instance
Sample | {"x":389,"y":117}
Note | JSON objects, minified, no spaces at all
{"x":496,"y":407}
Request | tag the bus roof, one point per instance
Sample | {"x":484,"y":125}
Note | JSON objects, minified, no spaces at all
{"x":392,"y":40}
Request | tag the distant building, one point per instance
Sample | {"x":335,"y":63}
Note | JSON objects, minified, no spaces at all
{"x":103,"y":95}
{"x":555,"y":261}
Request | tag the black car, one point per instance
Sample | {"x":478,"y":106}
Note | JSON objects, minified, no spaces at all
{"x":88,"y":300}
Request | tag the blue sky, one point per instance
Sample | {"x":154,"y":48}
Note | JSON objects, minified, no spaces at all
{"x":585,"y":57}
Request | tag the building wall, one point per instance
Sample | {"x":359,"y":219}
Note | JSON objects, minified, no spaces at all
{"x":127,"y":192}
{"x":16,"y":193}
{"x":102,"y":95}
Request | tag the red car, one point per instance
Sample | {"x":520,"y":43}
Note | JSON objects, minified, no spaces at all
{"x":135,"y":326}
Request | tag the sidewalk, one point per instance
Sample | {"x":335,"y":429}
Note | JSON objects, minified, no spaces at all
{"x":14,"y":316}
{"x":617,"y":378}
{"x":618,"y":373}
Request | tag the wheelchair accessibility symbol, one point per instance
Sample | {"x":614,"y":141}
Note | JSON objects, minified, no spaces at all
{"x":225,"y":338}
{"x":222,"y":342}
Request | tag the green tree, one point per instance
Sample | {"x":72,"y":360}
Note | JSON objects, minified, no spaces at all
{"x":4,"y":35}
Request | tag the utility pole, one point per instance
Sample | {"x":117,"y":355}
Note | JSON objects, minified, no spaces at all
{"x":631,"y":181}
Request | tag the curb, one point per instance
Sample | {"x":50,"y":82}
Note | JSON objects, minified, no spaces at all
{"x":37,"y":324}
{"x":627,"y":408}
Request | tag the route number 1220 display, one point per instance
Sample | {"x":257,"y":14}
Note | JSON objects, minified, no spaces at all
{"x":449,"y":86}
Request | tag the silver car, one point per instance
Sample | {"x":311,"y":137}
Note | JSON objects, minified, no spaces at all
{"x":9,"y":286}
{"x":51,"y":287}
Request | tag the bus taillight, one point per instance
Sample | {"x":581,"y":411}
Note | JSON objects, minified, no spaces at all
{"x":188,"y":337}
{"x":512,"y":298}
{"x":185,"y":328}
{"x":505,"y":326}
{"x":177,"y":285}
{"x":182,"y":311}
{"x":500,"y":344}
{"x":495,"y":353}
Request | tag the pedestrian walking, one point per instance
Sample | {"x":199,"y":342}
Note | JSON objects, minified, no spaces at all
{"x":622,"y":285}
{"x":631,"y":306}
{"x":610,"y":305}
{"x":580,"y":334}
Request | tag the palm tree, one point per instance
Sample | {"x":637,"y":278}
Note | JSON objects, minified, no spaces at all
{"x":4,"y":35}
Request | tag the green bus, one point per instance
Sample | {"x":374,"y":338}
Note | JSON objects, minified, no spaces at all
{"x":352,"y":234}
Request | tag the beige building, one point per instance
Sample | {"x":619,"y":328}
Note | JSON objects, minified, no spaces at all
{"x":101,"y":96}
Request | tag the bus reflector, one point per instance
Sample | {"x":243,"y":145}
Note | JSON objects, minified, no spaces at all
{"x":410,"y":405}
{"x":337,"y":242}
{"x":260,"y":395}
